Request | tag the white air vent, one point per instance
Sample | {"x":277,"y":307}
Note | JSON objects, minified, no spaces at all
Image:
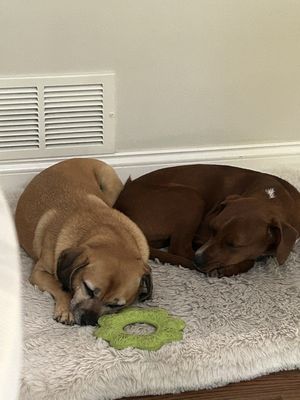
{"x":73,"y":115}
{"x":56,"y":116}
{"x":19,"y":119}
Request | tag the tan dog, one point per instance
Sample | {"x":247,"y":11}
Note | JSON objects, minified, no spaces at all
{"x":90,"y":258}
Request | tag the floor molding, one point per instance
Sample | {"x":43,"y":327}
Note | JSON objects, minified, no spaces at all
{"x":262,"y":157}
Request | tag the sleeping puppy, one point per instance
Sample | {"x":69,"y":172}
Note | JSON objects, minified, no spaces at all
{"x":90,"y":258}
{"x":215,"y":218}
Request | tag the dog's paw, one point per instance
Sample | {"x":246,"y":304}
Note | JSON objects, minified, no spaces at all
{"x":63,"y":315}
{"x":217,"y":273}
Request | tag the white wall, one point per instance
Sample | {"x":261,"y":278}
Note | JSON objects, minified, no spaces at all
{"x":190,"y":73}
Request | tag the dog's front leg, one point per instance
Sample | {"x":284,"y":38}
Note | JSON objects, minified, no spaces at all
{"x":234,"y":269}
{"x":187,"y":224}
{"x":47,"y":282}
{"x":167,"y":257}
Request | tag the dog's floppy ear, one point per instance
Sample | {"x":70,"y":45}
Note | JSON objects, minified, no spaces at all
{"x":284,"y":237}
{"x":128,"y":182}
{"x":69,"y":261}
{"x":146,"y":287}
{"x":218,"y":207}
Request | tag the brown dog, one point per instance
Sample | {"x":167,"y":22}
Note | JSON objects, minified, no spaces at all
{"x":90,"y":258}
{"x":219,"y":219}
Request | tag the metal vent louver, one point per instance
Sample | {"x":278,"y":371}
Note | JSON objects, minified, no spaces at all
{"x":73,"y":115}
{"x":19,"y":118}
{"x":56,"y":116}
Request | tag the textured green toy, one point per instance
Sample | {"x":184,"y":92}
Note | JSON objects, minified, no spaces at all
{"x":168,"y":328}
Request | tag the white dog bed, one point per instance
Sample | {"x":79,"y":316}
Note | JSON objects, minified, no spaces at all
{"x":236,"y":328}
{"x":10,"y":306}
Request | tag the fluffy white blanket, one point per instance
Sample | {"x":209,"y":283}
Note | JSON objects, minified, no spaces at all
{"x":236,"y":328}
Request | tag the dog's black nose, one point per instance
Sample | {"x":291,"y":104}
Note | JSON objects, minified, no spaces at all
{"x":199,"y":261}
{"x":89,"y":318}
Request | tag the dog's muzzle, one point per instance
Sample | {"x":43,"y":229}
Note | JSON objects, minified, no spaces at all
{"x":199,"y":262}
{"x":89,"y":318}
{"x":85,"y":316}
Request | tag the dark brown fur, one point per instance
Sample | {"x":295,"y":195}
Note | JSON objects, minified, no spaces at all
{"x":218,"y":219}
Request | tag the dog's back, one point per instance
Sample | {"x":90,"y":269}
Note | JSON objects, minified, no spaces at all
{"x":63,"y":186}
{"x":212,"y":182}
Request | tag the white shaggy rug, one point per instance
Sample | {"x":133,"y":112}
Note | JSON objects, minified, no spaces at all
{"x":236,"y":328}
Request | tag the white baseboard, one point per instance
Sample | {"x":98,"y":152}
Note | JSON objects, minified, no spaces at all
{"x":262,"y":157}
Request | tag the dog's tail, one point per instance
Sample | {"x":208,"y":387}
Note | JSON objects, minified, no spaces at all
{"x":109,"y":183}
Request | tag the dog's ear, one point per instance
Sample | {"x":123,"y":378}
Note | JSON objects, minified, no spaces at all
{"x":146,"y":287}
{"x":128,"y":182}
{"x":69,"y":261}
{"x":283,"y":239}
{"x":219,"y":207}
{"x":216,"y":209}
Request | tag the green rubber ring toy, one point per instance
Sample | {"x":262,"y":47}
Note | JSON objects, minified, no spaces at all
{"x":168,"y":328}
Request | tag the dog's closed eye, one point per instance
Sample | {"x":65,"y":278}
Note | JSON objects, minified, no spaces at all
{"x":233,"y":244}
{"x":230,"y":244}
{"x":90,"y":290}
{"x":114,"y":306}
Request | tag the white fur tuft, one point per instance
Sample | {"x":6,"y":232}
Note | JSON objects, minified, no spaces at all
{"x":271,"y":193}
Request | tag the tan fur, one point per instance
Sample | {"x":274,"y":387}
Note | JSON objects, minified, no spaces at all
{"x":65,"y":211}
{"x":41,"y":231}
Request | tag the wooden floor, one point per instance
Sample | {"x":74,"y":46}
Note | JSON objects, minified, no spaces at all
{"x":279,"y":386}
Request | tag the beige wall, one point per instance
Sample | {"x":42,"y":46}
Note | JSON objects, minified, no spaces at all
{"x":190,"y":73}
